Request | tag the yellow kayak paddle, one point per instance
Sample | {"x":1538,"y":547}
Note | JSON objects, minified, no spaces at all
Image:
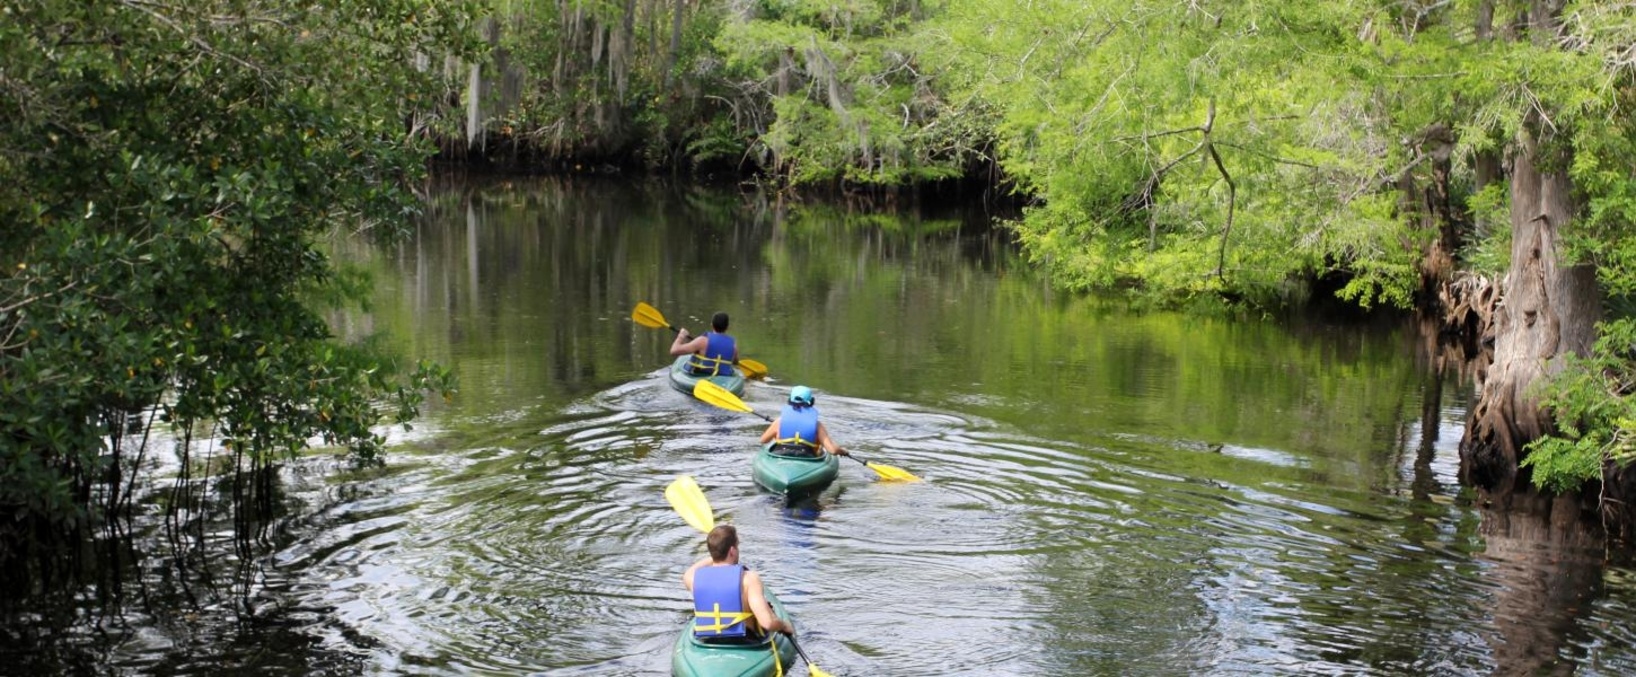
{"x":719,"y":396}
{"x":812,"y":668}
{"x":649,"y":316}
{"x":688,"y":499}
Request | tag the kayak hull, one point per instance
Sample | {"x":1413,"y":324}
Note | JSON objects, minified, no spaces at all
{"x":692,"y":658}
{"x":683,"y":381}
{"x":793,"y":474}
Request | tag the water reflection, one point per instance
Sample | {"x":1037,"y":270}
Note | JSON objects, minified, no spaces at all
{"x":1545,"y":565}
{"x":1106,"y":492}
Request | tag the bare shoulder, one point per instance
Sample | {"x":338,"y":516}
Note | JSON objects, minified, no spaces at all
{"x":753,"y":586}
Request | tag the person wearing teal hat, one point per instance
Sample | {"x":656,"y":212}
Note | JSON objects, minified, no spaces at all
{"x":797,"y":430}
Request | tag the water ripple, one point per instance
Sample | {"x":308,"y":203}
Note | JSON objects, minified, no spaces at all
{"x":551,"y":549}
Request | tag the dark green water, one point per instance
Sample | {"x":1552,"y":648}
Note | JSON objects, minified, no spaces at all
{"x":1107,"y":492}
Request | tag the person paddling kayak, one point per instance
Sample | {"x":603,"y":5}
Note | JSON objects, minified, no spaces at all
{"x":797,"y":431}
{"x":729,"y":604}
{"x":714,"y":354}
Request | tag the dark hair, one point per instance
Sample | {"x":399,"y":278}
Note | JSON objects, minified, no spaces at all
{"x":720,"y":540}
{"x":719,"y":322}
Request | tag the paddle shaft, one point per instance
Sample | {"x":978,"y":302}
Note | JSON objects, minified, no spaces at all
{"x":803,"y":654}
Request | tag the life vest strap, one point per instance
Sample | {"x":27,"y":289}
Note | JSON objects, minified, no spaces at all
{"x":722,"y":620}
{"x":699,"y":365}
{"x":797,"y":441}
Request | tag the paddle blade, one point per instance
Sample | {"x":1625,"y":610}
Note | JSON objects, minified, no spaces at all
{"x":649,"y":316}
{"x":886,"y":472}
{"x":688,"y":499}
{"x":814,"y":671}
{"x":752,"y":368}
{"x":717,"y":395}
{"x":892,"y":474}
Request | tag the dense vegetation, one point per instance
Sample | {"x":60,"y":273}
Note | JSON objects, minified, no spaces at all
{"x":171,"y":171}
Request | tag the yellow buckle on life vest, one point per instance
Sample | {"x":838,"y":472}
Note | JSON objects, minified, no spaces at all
{"x":699,"y":361}
{"x":717,"y":615}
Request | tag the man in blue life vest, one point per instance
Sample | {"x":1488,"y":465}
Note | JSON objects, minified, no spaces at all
{"x":729,"y":605}
{"x":797,"y":430}
{"x":714,"y":354}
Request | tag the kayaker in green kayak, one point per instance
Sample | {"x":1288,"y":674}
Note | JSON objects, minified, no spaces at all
{"x":729,"y":604}
{"x":797,"y":431}
{"x":714,"y":354}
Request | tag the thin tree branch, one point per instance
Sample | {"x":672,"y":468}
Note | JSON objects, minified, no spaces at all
{"x":1268,"y":156}
{"x":148,"y":8}
{"x":37,"y":297}
{"x":1232,"y":203}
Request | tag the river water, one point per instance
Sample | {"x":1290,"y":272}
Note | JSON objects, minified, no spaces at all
{"x":1107,"y":491}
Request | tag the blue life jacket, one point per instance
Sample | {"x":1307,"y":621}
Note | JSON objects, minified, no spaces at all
{"x":717,"y":359}
{"x":718,"y":602}
{"x":798,"y":426}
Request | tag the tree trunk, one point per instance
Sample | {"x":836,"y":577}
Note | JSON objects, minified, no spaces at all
{"x":627,"y":50}
{"x":1549,"y":311}
{"x":1426,"y":200}
{"x":1486,"y":169}
{"x":675,"y":40}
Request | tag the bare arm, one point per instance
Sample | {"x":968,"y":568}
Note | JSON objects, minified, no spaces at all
{"x":771,"y":433}
{"x":687,"y":576}
{"x":757,"y":599}
{"x":827,"y":442}
{"x":687,"y":344}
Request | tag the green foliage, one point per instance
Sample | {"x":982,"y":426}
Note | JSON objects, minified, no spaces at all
{"x":601,"y":80}
{"x":1116,"y":116}
{"x":809,"y":92}
{"x":848,"y":94}
{"x":170,"y":173}
{"x":1603,"y":148}
{"x":1595,"y":415}
{"x":1491,"y":254}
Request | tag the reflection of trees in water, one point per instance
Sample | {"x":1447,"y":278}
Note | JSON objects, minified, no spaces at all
{"x":1442,"y":355}
{"x":203,"y":597}
{"x":1546,"y":552}
{"x":526,"y":272}
{"x":1547,"y":569}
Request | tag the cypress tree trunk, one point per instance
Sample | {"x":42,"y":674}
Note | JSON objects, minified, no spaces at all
{"x":1550,"y":306}
{"x":1549,"y":311}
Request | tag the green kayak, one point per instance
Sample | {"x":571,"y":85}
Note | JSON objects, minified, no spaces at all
{"x":793,"y":474}
{"x":683,"y":381}
{"x":693,"y":658}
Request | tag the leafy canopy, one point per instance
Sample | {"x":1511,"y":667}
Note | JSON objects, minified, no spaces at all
{"x":171,"y":173}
